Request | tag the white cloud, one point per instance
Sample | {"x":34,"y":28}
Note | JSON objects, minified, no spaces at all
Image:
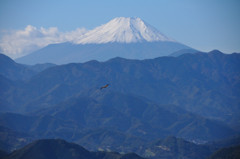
{"x":21,"y":42}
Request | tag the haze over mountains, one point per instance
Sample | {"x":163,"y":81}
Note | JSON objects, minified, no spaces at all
{"x":182,"y":105}
{"x":130,"y":38}
{"x":146,"y":100}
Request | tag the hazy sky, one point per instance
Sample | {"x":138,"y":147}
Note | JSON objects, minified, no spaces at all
{"x":202,"y":24}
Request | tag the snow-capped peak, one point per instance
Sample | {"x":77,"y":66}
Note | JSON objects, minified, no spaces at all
{"x":123,"y":30}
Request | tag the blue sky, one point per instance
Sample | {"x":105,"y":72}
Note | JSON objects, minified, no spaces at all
{"x":202,"y":24}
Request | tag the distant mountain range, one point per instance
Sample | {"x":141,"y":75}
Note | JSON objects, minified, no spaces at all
{"x":167,"y":148}
{"x":130,"y":38}
{"x":191,"y":81}
{"x":193,"y":96}
{"x":197,"y":82}
{"x":14,"y":71}
{"x":60,"y":149}
{"x":164,"y":100}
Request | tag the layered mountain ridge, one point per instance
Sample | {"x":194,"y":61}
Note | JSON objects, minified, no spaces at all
{"x":159,"y":108}
{"x":146,"y":100}
{"x":60,"y":149}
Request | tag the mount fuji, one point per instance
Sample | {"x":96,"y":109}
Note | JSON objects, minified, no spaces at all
{"x":130,"y":38}
{"x":123,"y":30}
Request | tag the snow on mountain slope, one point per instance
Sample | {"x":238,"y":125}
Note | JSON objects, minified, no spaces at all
{"x":129,"y":38}
{"x":123,"y":30}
